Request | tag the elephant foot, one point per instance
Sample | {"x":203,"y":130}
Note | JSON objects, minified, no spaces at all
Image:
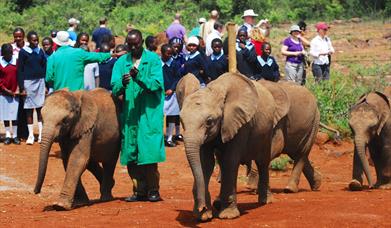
{"x":355,"y":185}
{"x":62,"y":206}
{"x":315,"y":185}
{"x":217,"y":204}
{"x":384,"y":186}
{"x":204,"y":215}
{"x":229,"y":213}
{"x":291,"y":188}
{"x":266,"y":200}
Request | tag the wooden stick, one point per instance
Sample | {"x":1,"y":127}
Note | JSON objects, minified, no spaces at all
{"x":231,"y":28}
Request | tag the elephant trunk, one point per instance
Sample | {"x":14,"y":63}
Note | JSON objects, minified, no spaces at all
{"x":192,"y":147}
{"x":360,"y":145}
{"x":46,"y":144}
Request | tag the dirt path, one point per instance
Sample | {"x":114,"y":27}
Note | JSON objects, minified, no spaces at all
{"x":332,"y":206}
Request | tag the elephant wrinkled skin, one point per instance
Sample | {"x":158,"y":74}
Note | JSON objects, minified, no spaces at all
{"x":370,"y":121}
{"x":86,"y":125}
{"x":235,"y":118}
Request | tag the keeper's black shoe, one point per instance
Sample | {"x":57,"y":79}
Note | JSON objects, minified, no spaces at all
{"x":7,"y":141}
{"x":154,"y":196}
{"x":136,"y":198}
{"x":178,"y":137}
{"x":16,"y":141}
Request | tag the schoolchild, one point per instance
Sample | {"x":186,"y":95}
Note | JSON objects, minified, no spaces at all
{"x":47,"y":47}
{"x":31,"y":77}
{"x":171,"y":76}
{"x":217,"y":62}
{"x":266,"y":66}
{"x":194,"y":61}
{"x":244,"y":48}
{"x":9,"y":102}
{"x":177,"y":45}
{"x":19,"y":42}
{"x":106,"y":68}
{"x":82,"y":39}
{"x":151,"y":43}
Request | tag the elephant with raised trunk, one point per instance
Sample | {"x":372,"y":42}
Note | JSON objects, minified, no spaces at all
{"x":370,"y":121}
{"x":86,"y":125}
{"x":231,"y":118}
{"x":294,"y":134}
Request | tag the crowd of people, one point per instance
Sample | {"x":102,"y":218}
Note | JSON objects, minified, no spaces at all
{"x":145,"y":81}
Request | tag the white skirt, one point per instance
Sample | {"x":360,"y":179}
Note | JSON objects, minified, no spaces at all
{"x":9,"y":108}
{"x":35,"y":90}
{"x":171,"y":107}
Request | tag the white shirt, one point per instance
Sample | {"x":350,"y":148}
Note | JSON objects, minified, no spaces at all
{"x":318,"y":46}
{"x":208,"y":43}
{"x":16,"y":49}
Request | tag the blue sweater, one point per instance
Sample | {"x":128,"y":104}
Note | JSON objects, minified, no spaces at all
{"x":105,"y":71}
{"x":216,"y":67}
{"x":171,"y":75}
{"x":30,"y":66}
{"x":196,"y":65}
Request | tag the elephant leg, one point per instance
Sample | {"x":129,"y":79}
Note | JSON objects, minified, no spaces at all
{"x":294,"y":179}
{"x":356,"y":182}
{"x":81,"y":196}
{"x":77,"y":164}
{"x":264,"y":193}
{"x":229,"y":173}
{"x":107,"y":180}
{"x":96,"y":170}
{"x":382,"y":161}
{"x":208,"y":164}
{"x":252,"y":175}
{"x":313,"y":177}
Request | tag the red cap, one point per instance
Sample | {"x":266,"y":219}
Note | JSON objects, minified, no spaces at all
{"x":322,"y":25}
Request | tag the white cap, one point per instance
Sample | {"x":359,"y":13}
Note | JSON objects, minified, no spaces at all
{"x":249,"y":13}
{"x":193,"y":40}
{"x":201,"y":20}
{"x":62,"y":39}
{"x":294,"y":28}
{"x":73,"y":21}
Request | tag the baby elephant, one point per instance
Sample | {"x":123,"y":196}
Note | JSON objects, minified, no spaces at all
{"x":86,"y":125}
{"x":370,"y":121}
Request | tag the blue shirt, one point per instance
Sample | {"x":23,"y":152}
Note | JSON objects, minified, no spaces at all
{"x":216,"y":65}
{"x":105,"y":72}
{"x":98,"y":34}
{"x":195,"y":64}
{"x":171,"y":74}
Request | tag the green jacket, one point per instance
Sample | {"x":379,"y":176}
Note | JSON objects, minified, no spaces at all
{"x":142,"y":113}
{"x":65,"y":67}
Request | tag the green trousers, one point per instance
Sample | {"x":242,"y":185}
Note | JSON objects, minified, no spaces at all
{"x":145,"y":178}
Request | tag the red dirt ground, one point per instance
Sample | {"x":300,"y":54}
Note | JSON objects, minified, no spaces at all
{"x":332,"y":206}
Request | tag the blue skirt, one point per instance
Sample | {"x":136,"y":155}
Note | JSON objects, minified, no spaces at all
{"x":171,"y":107}
{"x":8,"y":107}
{"x":35,"y":90}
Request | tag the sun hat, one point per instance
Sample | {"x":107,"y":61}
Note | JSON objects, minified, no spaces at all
{"x":193,"y":40}
{"x":201,"y":20}
{"x":294,"y":28}
{"x":62,"y":39}
{"x":249,"y":13}
{"x":73,"y":21}
{"x":322,"y":25}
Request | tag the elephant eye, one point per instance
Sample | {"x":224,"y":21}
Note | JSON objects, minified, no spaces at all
{"x":209,"y":121}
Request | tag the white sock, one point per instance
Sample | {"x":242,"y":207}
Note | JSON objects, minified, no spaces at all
{"x":178,"y":129}
{"x":170,"y":130}
{"x":15,"y":131}
{"x":7,"y":132}
{"x":31,"y":129}
{"x":40,"y":129}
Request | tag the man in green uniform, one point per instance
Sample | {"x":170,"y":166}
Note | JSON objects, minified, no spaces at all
{"x":138,"y":77}
{"x":65,"y":67}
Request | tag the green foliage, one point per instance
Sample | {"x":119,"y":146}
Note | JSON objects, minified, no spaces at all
{"x":280,"y":163}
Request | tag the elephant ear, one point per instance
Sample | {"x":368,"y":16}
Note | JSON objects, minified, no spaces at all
{"x":239,"y":96}
{"x":88,"y":114}
{"x":383,"y":110}
{"x":281,"y":99}
{"x":186,"y":86}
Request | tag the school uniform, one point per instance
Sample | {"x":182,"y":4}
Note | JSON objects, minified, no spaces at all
{"x":171,"y":77}
{"x":31,"y":76}
{"x":8,"y":80}
{"x":243,"y":59}
{"x":105,"y":72}
{"x":267,"y":69}
{"x":216,"y":65}
{"x":195,"y":64}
